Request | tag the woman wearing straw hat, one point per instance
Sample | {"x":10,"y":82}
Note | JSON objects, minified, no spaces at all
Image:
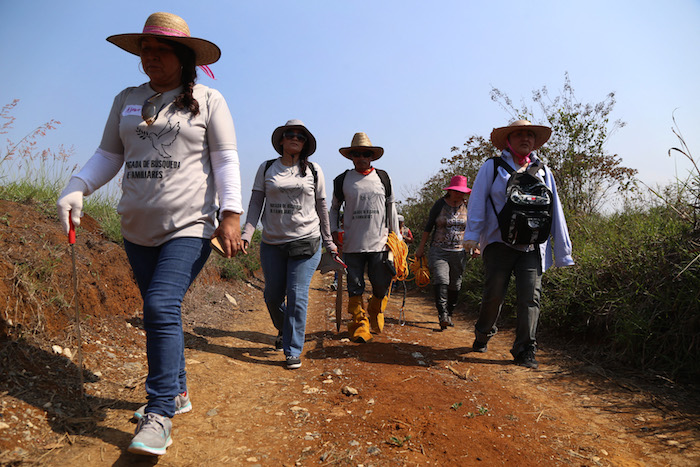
{"x":447,"y":259}
{"x":177,"y":144}
{"x":517,"y":142}
{"x":295,"y":218}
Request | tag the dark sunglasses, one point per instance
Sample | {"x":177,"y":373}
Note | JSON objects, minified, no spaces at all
{"x":293,"y":134}
{"x":149,"y":111}
{"x":367,"y":154}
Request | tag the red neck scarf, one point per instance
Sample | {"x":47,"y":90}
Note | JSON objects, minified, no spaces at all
{"x":521,"y":160}
{"x":365,"y":172}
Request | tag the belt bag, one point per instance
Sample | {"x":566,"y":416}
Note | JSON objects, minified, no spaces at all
{"x":304,"y":248}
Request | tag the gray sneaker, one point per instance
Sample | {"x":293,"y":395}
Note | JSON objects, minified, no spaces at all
{"x":182,"y":405}
{"x":293,"y":362}
{"x":152,"y":435}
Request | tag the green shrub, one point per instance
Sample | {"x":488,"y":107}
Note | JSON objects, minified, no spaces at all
{"x":628,"y":294}
{"x":241,"y":266}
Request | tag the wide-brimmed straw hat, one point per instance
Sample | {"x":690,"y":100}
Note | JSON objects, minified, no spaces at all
{"x":458,"y":183}
{"x":361,"y":142}
{"x":168,"y":26}
{"x":499,"y":136}
{"x":294,"y":124}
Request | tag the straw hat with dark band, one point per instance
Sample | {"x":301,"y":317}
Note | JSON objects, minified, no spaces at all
{"x":171,"y":27}
{"x":499,"y":136}
{"x":360,"y":143}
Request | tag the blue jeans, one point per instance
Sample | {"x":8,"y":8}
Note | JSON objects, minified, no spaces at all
{"x":164,"y":274}
{"x":500,"y":262}
{"x":288,"y":278}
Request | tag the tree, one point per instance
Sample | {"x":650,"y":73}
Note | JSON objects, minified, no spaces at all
{"x":586,"y":173}
{"x":466,"y":161}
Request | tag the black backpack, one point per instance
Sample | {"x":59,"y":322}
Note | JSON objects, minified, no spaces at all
{"x":340,"y":179}
{"x":526,"y":218}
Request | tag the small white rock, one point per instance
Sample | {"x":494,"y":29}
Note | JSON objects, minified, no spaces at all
{"x":57,"y":349}
{"x":231,"y":299}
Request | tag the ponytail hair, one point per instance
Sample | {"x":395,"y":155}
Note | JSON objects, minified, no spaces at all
{"x":185,"y":100}
{"x":303,"y":162}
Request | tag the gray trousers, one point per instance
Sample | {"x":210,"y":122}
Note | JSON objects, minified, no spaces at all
{"x":446,"y":267}
{"x":500,"y":261}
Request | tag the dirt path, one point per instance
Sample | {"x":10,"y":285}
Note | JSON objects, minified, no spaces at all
{"x":422,"y":399}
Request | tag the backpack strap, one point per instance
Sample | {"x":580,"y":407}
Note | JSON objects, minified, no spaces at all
{"x":340,"y":195}
{"x":340,"y":179}
{"x":384,"y":177}
{"x":309,"y":165}
{"x":498,"y":162}
{"x":338,"y":187}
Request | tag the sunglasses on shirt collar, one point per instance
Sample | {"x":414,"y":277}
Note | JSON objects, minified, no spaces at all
{"x":149,"y":111}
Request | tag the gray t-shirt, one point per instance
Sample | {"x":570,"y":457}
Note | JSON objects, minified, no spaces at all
{"x":290,"y":202}
{"x":168,"y":188}
{"x":368,"y":213}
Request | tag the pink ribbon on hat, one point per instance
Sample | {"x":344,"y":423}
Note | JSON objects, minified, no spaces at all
{"x":207,"y":71}
{"x":160,"y":30}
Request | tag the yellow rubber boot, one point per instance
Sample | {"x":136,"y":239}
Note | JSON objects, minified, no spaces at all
{"x":358,"y":326}
{"x":375,"y":309}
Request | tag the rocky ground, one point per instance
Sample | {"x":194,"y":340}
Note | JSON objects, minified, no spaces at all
{"x":412,"y":396}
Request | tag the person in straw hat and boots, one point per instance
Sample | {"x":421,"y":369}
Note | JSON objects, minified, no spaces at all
{"x":368,"y":216}
{"x":292,"y":190}
{"x":177,"y":144}
{"x":447,"y":220}
{"x":527,"y":263}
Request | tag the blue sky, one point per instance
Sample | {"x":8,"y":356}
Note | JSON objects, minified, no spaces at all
{"x":414,"y":75}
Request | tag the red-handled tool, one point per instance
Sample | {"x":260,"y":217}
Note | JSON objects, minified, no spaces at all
{"x":71,"y":240}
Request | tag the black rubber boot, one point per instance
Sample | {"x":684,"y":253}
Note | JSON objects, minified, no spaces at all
{"x":452,"y":296}
{"x":441,"y":305}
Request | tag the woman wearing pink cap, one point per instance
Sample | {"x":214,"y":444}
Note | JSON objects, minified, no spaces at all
{"x":447,"y":258}
{"x":176,"y":142}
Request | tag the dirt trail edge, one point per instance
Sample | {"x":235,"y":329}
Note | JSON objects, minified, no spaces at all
{"x":412,"y":396}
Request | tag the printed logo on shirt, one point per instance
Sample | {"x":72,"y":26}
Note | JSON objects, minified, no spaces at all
{"x":294,"y":205}
{"x":131,"y":110}
{"x":162,"y":139}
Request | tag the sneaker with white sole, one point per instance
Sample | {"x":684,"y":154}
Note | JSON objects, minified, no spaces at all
{"x":152,"y":435}
{"x":293,"y":362}
{"x":182,"y":405}
{"x":279,"y":347}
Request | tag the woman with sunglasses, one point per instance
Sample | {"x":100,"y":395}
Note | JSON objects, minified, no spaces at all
{"x":290,"y":192}
{"x":177,"y":144}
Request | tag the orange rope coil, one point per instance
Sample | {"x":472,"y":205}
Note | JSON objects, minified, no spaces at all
{"x":420,"y":270}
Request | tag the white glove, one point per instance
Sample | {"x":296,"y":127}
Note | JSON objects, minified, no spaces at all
{"x":70,"y":203}
{"x":470,"y":245}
